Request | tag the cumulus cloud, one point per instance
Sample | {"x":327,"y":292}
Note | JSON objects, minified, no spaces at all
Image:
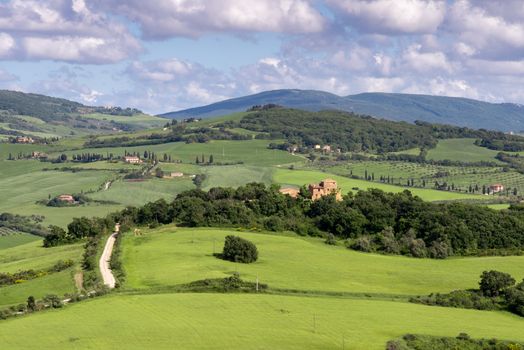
{"x":421,"y":61}
{"x":62,"y":30}
{"x":7,"y":44}
{"x":392,"y":16}
{"x":486,"y":31}
{"x":192,"y":18}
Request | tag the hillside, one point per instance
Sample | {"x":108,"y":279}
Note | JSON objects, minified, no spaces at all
{"x":43,"y":116}
{"x":402,"y":107}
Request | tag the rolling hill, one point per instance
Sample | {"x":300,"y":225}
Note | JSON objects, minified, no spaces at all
{"x":402,"y":107}
{"x":43,"y":116}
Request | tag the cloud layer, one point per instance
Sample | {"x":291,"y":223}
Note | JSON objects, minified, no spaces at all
{"x":470,"y":48}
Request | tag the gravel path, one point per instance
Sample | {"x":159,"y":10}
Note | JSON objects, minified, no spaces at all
{"x":107,"y":274}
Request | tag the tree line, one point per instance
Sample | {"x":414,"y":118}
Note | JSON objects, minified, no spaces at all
{"x":372,"y":220}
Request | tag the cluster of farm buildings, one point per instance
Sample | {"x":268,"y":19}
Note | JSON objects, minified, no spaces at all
{"x":326,"y":187}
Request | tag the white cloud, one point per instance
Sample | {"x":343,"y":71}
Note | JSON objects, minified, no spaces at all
{"x":64,"y":30}
{"x":425,"y":61}
{"x":7,"y":44}
{"x":488,"y":35}
{"x":168,"y":18}
{"x":392,"y":16}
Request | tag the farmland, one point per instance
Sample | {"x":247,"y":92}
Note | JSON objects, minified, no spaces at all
{"x":292,"y":262}
{"x":214,"y":321}
{"x":319,"y":295}
{"x":460,"y":177}
{"x":33,"y":256}
{"x":461,"y":150}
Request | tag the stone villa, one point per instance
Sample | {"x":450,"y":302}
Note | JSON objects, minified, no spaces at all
{"x":325,"y":188}
{"x":316,"y":191}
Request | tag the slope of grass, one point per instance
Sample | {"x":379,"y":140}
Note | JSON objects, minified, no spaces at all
{"x":170,"y":256}
{"x":14,"y":240}
{"x":33,"y":256}
{"x":235,"y":175}
{"x":463,"y":150}
{"x":254,"y":152}
{"x":304,"y":177}
{"x":213,"y":321}
{"x":139,"y":193}
{"x":59,"y":283}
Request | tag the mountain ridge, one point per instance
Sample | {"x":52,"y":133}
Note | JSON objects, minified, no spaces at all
{"x":401,"y":107}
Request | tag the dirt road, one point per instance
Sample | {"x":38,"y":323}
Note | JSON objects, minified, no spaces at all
{"x":107,"y":274}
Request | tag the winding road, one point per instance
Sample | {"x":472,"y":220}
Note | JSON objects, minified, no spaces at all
{"x":104,"y":263}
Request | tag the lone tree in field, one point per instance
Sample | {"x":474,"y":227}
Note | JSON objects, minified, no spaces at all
{"x":492,"y":283}
{"x":237,"y":249}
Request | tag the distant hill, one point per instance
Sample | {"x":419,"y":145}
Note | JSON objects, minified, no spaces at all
{"x":44,"y":116}
{"x":401,"y":107}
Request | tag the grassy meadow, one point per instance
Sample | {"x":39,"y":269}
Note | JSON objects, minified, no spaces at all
{"x":13,"y":240}
{"x":463,"y":150}
{"x":169,"y":256}
{"x":235,"y":321}
{"x":33,"y":256}
{"x":253,"y":152}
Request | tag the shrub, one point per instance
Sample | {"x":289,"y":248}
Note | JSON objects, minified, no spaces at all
{"x":492,"y":283}
{"x":362,"y":244}
{"x":237,"y":249}
{"x":330,"y":240}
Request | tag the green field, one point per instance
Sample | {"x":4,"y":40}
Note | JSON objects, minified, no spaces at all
{"x":254,"y":152}
{"x":14,"y":240}
{"x":171,"y":256}
{"x":33,"y":256}
{"x":217,"y":321}
{"x":139,"y":193}
{"x":463,"y":150}
{"x":236,"y":175}
{"x":59,"y":283}
{"x":304,"y":177}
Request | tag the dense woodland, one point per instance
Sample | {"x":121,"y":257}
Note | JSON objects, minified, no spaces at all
{"x":357,"y":133}
{"x":372,"y":220}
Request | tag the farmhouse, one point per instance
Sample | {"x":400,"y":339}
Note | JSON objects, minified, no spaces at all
{"x":292,"y":192}
{"x":326,"y":149}
{"x":132,"y":160}
{"x":66,"y":198}
{"x":325,"y":188}
{"x":39,"y":155}
{"x":495,"y":188}
{"x":24,"y":139}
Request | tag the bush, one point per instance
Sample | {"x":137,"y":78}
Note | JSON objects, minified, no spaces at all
{"x":492,"y":283}
{"x":237,"y":249}
{"x":330,"y":240}
{"x":362,"y":244}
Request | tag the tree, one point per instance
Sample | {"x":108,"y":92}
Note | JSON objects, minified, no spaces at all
{"x":159,"y":173}
{"x":238,"y":249}
{"x":197,"y":160}
{"x":211,"y":159}
{"x":492,"y":283}
{"x":31,"y":303}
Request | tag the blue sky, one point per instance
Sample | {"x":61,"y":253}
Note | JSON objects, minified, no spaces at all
{"x":166,"y":55}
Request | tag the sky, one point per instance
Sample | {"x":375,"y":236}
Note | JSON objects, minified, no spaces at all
{"x":166,"y":55}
